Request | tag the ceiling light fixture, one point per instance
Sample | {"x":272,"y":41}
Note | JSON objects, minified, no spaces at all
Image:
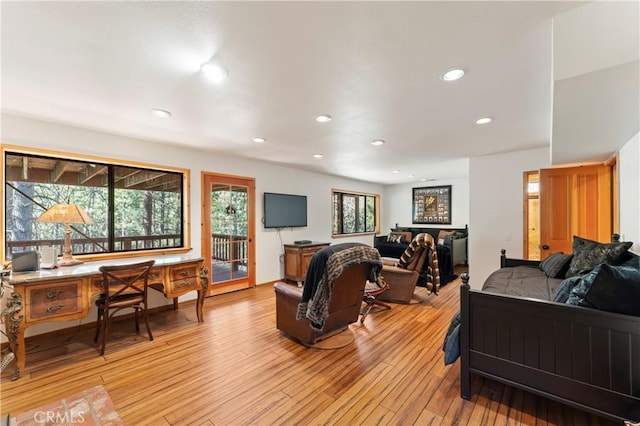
{"x":214,"y":71}
{"x":410,"y":176}
{"x":377,"y":142}
{"x":452,"y":74}
{"x":323,"y":118}
{"x":160,"y":113}
{"x":259,"y":140}
{"x":485,"y":120}
{"x":317,"y":156}
{"x":395,"y":171}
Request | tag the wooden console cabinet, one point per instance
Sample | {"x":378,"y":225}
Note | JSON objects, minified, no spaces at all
{"x":297,"y":258}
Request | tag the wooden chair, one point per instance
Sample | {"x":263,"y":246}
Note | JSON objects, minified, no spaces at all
{"x":372,"y":291}
{"x":125,"y":286}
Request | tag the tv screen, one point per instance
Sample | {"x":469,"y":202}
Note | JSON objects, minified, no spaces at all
{"x":284,"y":210}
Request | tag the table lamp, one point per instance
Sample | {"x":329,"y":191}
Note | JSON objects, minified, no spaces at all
{"x":67,"y":214}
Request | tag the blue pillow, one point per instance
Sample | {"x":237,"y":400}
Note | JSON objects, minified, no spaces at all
{"x":633,"y":262}
{"x":564,"y":289}
{"x":452,"y":346}
{"x":616,"y":289}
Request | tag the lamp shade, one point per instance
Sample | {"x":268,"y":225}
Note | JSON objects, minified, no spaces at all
{"x":65,"y":213}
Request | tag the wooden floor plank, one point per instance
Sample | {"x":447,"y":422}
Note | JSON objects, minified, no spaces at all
{"x":236,"y":368}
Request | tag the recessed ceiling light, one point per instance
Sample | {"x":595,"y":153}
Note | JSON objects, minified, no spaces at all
{"x":452,"y":74}
{"x":484,"y":120}
{"x":410,"y":175}
{"x":423,"y":180}
{"x":377,"y":142}
{"x":317,"y":155}
{"x":160,"y":113}
{"x":214,"y":71}
{"x":395,"y":171}
{"x":259,"y":140}
{"x":323,"y":118}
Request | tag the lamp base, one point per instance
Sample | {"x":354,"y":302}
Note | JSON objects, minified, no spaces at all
{"x":70,"y":262}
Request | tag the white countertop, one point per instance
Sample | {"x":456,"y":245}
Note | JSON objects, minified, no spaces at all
{"x":91,"y":268}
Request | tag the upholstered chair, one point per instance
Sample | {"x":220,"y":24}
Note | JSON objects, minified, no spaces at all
{"x":419,"y":258}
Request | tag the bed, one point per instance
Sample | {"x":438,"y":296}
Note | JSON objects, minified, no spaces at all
{"x":583,"y":357}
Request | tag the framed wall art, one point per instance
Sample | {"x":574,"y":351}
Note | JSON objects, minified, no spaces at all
{"x":432,"y":204}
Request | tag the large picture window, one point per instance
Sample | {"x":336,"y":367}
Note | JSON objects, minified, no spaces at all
{"x":131,"y":207}
{"x":355,"y":213}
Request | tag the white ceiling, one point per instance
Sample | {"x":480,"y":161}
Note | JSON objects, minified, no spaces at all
{"x":373,"y":66}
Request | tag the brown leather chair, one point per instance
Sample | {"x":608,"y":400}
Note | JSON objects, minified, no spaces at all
{"x":125,"y":286}
{"x":403,"y":277}
{"x":344,"y":304}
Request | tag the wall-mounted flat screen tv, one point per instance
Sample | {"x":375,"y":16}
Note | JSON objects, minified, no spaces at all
{"x":284,"y":210}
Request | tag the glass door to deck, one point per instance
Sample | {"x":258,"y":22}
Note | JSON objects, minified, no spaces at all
{"x":229,"y":227}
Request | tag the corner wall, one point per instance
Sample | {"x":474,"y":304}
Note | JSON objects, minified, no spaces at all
{"x":496,"y":208}
{"x":629,"y":191}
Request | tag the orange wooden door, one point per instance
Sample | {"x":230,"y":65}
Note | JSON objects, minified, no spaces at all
{"x":574,"y":201}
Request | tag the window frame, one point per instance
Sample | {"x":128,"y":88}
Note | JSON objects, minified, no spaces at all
{"x":355,"y":194}
{"x":186,"y":211}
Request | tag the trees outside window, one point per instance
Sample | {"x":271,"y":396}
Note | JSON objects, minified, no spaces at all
{"x":132,"y":208}
{"x":355,"y":213}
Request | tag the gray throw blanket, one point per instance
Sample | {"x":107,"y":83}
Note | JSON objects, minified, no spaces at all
{"x":316,"y":309}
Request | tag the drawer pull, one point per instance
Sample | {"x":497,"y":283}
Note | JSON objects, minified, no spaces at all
{"x":154,"y":276}
{"x":185,"y":283}
{"x":53,"y":308}
{"x":54,"y":293}
{"x":184,"y":272}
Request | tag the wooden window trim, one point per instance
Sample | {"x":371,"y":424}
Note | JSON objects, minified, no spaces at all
{"x":186,"y":198}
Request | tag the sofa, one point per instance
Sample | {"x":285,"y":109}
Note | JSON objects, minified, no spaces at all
{"x":567,"y":328}
{"x":451,"y":245}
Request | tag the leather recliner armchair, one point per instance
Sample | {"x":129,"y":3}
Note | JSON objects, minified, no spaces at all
{"x":343,"y":305}
{"x":402,"y":280}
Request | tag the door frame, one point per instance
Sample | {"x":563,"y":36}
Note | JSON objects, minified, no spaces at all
{"x":206,"y":179}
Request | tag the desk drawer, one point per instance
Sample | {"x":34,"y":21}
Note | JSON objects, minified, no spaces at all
{"x":53,"y":300}
{"x":183,"y":279}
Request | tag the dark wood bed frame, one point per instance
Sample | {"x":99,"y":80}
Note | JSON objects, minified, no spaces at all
{"x":582,"y":357}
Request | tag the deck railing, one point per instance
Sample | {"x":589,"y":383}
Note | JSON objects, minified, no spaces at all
{"x":224,"y":247}
{"x":95,"y":245}
{"x":229,"y":248}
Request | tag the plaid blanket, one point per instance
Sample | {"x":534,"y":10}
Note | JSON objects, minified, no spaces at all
{"x":316,"y":310}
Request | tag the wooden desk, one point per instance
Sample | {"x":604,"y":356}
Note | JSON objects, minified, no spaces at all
{"x":66,"y":293}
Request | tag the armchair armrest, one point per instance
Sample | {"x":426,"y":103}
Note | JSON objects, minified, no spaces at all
{"x":394,"y":270}
{"x":287,"y":291}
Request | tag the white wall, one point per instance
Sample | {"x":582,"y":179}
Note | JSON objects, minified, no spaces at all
{"x":495,"y":208}
{"x":629,"y":187}
{"x":269,"y":178}
{"x":398,"y":204}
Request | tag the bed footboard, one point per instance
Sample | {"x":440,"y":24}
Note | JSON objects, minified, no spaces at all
{"x":583,"y":357}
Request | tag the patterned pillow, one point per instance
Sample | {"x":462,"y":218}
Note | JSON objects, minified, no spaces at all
{"x":556,"y":265}
{"x":395,"y":237}
{"x":443,"y":234}
{"x":579,"y":292}
{"x":587,"y":254}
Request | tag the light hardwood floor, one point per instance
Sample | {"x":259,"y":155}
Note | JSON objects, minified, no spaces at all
{"x":238,"y":369}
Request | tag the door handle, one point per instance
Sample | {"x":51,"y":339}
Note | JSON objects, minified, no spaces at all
{"x":545,"y":247}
